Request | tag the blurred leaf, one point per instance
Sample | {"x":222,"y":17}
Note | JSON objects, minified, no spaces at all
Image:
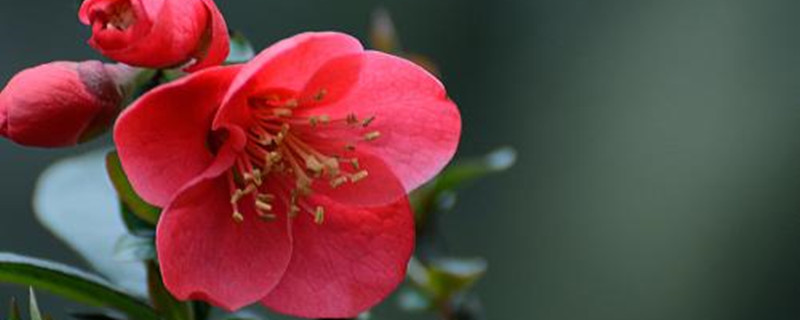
{"x":383,"y":37}
{"x":240,"y":315}
{"x":425,"y":62}
{"x":414,"y":300}
{"x":144,"y":80}
{"x":472,"y":169}
{"x":36,"y":314}
{"x":134,"y":248}
{"x":364,"y":316}
{"x":444,"y":278}
{"x":70,"y":283}
{"x":201,"y":310}
{"x":74,"y":199}
{"x":438,"y":194}
{"x":92,"y":316}
{"x":241,"y":49}
{"x":451,"y":275}
{"x":166,"y":305}
{"x":132,"y":201}
{"x":382,"y":33}
{"x":13,"y":310}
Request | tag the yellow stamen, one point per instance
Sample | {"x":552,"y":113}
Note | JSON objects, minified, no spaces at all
{"x":238,"y":217}
{"x":372,"y":135}
{"x":320,"y":95}
{"x":358,"y":176}
{"x":282,"y":112}
{"x":291,"y":103}
{"x":263,"y":206}
{"x":319,"y":215}
{"x":335,"y":183}
{"x":367,"y":121}
{"x":352,"y":118}
{"x":324,"y":119}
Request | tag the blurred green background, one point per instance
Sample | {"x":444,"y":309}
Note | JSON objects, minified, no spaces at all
{"x":659,"y":141}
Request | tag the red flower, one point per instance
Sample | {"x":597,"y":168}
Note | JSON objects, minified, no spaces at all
{"x":284,"y":180}
{"x":60,"y":103}
{"x":158,"y":33}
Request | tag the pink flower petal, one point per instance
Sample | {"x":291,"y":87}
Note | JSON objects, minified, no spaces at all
{"x":346,"y":265}
{"x":163,"y":138}
{"x":286,"y":65}
{"x":218,"y":46}
{"x":419,"y":125}
{"x":204,"y":254}
{"x":3,"y":121}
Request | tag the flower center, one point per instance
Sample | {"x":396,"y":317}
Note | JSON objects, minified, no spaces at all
{"x":286,"y":139}
{"x":117,"y":16}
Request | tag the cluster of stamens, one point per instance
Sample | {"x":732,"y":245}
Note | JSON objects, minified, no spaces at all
{"x":119,"y":16}
{"x":276,"y":147}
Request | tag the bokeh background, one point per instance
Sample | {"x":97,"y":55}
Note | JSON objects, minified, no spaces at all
{"x":659,"y":145}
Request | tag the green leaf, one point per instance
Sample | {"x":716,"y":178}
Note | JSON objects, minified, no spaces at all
{"x":451,"y":275}
{"x":92,"y":316}
{"x":241,"y":49}
{"x":70,"y":283}
{"x":13,"y":310}
{"x":134,"y":248}
{"x":444,"y":278}
{"x":135,"y":225}
{"x":164,"y":302}
{"x":74,"y":199}
{"x":439,"y":194}
{"x":36,"y":314}
{"x":143,"y":210}
{"x":466,"y":171}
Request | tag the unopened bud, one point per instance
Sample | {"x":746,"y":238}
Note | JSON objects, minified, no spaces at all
{"x":61,"y":103}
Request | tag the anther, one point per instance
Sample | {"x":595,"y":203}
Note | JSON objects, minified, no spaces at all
{"x":282,"y":112}
{"x":314,"y":165}
{"x":324,"y":119}
{"x":265,"y":197}
{"x":338,"y":181}
{"x":320,"y":95}
{"x":350,"y":147}
{"x":238,"y":217}
{"x":358,"y":176}
{"x":354,"y":162}
{"x":267,"y":216}
{"x":263,"y":206}
{"x":372,"y":135}
{"x":319,"y":215}
{"x":274,"y":157}
{"x":352,"y":118}
{"x":367,"y":121}
{"x":291,"y":103}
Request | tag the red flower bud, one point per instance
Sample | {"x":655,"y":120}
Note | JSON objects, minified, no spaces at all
{"x":158,"y":33}
{"x":60,"y":103}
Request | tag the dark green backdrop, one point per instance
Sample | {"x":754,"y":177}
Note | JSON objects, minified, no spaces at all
{"x":659,"y":173}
